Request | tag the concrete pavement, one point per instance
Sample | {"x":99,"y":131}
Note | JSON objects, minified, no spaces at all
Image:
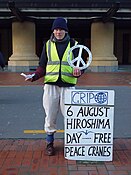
{"x":21,"y":103}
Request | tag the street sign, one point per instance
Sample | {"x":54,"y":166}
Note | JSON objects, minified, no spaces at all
{"x":89,"y":118}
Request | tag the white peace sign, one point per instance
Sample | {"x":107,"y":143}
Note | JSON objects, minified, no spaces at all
{"x":78,"y":60}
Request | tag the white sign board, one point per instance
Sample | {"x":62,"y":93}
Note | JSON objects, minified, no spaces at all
{"x":89,"y":118}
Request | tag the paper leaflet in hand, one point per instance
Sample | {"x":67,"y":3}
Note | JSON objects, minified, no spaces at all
{"x":29,"y":76}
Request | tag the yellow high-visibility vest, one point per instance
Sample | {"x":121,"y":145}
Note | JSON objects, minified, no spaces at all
{"x":54,"y":65}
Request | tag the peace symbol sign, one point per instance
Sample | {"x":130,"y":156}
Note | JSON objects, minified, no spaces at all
{"x":78,"y":61}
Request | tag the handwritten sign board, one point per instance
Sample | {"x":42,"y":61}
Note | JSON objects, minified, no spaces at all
{"x":89,"y":117}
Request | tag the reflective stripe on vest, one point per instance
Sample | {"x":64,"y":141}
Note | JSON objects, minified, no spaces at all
{"x":53,"y":65}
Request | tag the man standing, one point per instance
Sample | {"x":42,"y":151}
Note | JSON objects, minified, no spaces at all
{"x":2,"y":62}
{"x":58,"y":76}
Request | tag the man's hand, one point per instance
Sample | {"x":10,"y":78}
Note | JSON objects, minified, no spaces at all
{"x":28,"y":77}
{"x":76,"y":72}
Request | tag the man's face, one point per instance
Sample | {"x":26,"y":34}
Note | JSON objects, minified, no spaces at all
{"x":59,"y":33}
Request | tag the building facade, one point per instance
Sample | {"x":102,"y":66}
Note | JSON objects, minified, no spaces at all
{"x":103,"y":26}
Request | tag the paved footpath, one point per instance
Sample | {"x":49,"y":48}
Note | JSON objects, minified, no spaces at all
{"x":27,"y":157}
{"x":87,"y":79}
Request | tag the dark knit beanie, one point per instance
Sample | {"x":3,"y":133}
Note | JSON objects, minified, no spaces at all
{"x":59,"y":23}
